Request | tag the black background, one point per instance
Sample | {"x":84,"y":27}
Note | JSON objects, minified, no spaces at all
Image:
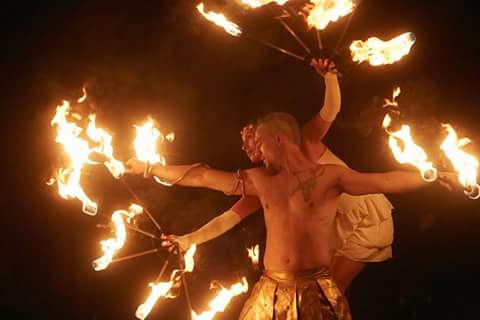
{"x":161,"y":58}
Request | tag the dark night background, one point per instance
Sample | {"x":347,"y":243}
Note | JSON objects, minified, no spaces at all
{"x":161,"y":58}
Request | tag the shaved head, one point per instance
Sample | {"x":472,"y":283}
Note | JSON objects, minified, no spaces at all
{"x":280,"y":122}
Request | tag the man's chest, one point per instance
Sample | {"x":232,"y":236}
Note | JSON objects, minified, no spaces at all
{"x":302,"y":191}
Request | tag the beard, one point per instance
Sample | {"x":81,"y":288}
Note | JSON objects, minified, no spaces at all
{"x":271,"y":168}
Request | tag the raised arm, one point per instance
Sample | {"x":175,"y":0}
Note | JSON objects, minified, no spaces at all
{"x":197,"y":176}
{"x":215,"y":227}
{"x":316,"y":129}
{"x":355,"y":183}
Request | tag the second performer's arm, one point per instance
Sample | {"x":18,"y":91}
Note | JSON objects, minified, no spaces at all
{"x":215,"y":227}
{"x":316,"y":128}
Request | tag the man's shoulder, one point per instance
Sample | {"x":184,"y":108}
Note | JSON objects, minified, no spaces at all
{"x":258,"y":171}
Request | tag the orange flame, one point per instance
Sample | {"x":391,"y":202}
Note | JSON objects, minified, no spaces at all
{"x":378,"y":52}
{"x":260,"y":3}
{"x":465,"y":164}
{"x":221,"y":301}
{"x":189,"y":262}
{"x":84,"y":97}
{"x":112,"y":245}
{"x":77,"y":149}
{"x":100,"y":136}
{"x":220,"y":20}
{"x":146,"y":145}
{"x":393,"y":102}
{"x":159,"y":290}
{"x":162,"y":289}
{"x":410,"y":153}
{"x":253,"y":254}
{"x":322,"y":12}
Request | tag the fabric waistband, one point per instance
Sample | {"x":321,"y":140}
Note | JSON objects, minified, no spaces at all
{"x":294,"y":277}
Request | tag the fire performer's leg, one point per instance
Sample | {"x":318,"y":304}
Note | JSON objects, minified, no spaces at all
{"x":344,"y":271}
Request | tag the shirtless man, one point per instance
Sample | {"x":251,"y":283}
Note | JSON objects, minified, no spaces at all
{"x":363,"y":227}
{"x":299,"y":200}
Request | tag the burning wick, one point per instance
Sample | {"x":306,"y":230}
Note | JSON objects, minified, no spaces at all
{"x":220,"y":20}
{"x":378,"y":52}
{"x":473,"y":192}
{"x":430,"y":174}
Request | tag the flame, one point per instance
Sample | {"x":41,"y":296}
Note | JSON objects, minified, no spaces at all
{"x":410,"y":153}
{"x":393,"y":102}
{"x":322,"y":12}
{"x":146,"y":145}
{"x":159,"y":290}
{"x":77,"y":149}
{"x":100,"y":136}
{"x":220,"y":20}
{"x":221,"y":301}
{"x":189,"y":262}
{"x":465,"y":164}
{"x":112,"y":245}
{"x":253,"y":254}
{"x":378,"y":52}
{"x":260,"y":3}
{"x":84,"y":97}
{"x":162,"y":289}
{"x":170,"y":137}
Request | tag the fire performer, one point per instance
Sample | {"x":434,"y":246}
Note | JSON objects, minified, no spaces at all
{"x":299,"y":198}
{"x":363,"y":227}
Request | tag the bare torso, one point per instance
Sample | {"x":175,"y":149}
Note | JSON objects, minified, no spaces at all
{"x":299,"y":212}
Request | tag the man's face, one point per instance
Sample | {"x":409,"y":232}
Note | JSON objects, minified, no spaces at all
{"x":266,"y":144}
{"x":249,"y":146}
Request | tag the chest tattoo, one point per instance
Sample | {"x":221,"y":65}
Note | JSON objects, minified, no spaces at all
{"x":308,"y":185}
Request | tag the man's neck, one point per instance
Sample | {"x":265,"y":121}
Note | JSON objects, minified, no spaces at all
{"x":295,"y":161}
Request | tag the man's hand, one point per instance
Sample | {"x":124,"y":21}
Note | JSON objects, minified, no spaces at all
{"x":134,"y":166}
{"x":449,"y":180}
{"x":324,"y":67}
{"x":175,"y":243}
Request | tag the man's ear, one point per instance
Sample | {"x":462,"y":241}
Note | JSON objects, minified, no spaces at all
{"x":278,"y":139}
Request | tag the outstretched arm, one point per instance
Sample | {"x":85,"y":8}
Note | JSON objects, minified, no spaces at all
{"x":215,"y":227}
{"x":316,"y":129}
{"x":356,"y":183}
{"x":196,"y":176}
